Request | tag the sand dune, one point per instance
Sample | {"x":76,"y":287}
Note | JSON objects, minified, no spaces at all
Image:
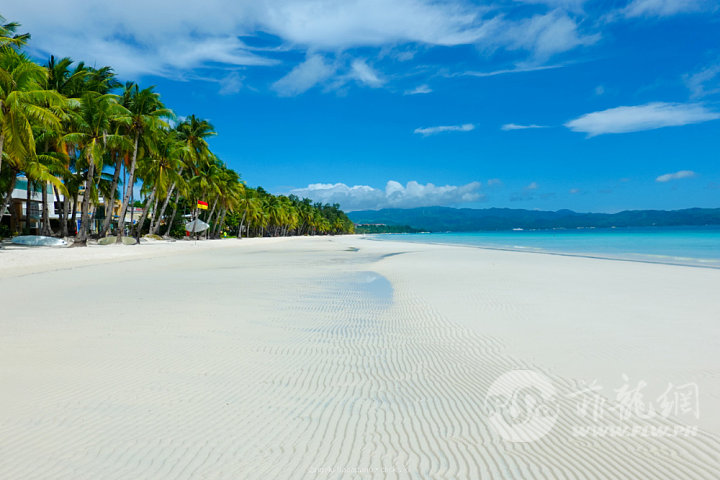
{"x":339,"y":358}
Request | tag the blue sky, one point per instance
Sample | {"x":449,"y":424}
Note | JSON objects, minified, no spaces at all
{"x":408,"y":103}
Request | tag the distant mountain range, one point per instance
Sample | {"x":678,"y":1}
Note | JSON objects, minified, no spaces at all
{"x":443,"y":219}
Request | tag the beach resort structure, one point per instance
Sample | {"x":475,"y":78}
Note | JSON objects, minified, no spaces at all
{"x":24,"y":213}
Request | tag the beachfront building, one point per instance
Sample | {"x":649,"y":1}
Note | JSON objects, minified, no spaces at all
{"x":24,"y":214}
{"x":24,"y":211}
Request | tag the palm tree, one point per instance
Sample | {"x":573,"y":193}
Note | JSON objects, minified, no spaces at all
{"x":38,"y":175}
{"x":181,"y":187}
{"x":93,"y":134}
{"x":23,"y":104}
{"x":159,"y":171}
{"x":193,"y":132}
{"x":216,"y":175}
{"x":8,"y":37}
{"x":47,"y":169}
{"x":73,"y":83}
{"x":172,"y":150}
{"x":204,"y":185}
{"x":101,"y":80}
{"x":61,"y":122}
{"x":248,"y":203}
{"x":229,"y":198}
{"x":145,"y":111}
{"x":70,"y":83}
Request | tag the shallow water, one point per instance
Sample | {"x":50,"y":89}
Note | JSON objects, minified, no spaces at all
{"x":696,"y":246}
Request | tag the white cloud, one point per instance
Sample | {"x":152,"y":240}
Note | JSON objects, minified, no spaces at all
{"x":419,"y":90}
{"x":515,"y":126}
{"x":317,"y":70}
{"x":133,"y":45}
{"x":304,"y":76}
{"x":705,"y":82}
{"x":675,"y":176}
{"x":641,"y":117}
{"x":574,"y":191}
{"x":331,"y":24}
{"x":363,"y":73}
{"x":425,"y":131}
{"x":507,"y":71}
{"x":230,"y":84}
{"x":532,"y":186}
{"x":662,"y":8}
{"x":395,"y":195}
{"x":494,"y":182}
{"x":545,"y":35}
{"x":572,"y":5}
{"x":172,"y":37}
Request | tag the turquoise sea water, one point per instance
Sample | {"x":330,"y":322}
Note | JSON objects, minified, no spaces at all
{"x":697,"y":246}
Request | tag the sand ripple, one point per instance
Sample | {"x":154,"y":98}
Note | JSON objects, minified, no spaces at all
{"x":277,"y":374}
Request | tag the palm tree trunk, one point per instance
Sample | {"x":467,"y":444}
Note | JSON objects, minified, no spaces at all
{"x":128,"y":190}
{"x":46,"y":230}
{"x":154,"y":211}
{"x":209,"y":219}
{"x":65,"y":215}
{"x":216,"y":227}
{"x":8,"y":195}
{"x":156,"y":225}
{"x":26,"y":227}
{"x":81,"y":237}
{"x":2,"y":144}
{"x":172,"y":217}
{"x":195,"y":216}
{"x":73,"y":217}
{"x":146,"y":208}
{"x":110,"y":203}
{"x":56,"y":192}
{"x":212,"y":211}
{"x":242,"y":221}
{"x":213,"y":227}
{"x":221,"y":223}
{"x":92,"y":218}
{"x":74,"y":213}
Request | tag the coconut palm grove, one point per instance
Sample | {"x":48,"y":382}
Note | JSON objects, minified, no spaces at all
{"x":80,"y":132}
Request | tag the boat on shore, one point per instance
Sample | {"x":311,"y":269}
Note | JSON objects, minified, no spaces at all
{"x":38,"y":241}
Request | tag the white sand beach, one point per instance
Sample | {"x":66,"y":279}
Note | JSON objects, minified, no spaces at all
{"x":345,"y":357}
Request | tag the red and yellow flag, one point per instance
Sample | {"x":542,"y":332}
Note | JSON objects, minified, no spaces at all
{"x":202,"y":205}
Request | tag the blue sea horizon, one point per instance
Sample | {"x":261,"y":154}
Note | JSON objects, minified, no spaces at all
{"x":693,"y":246}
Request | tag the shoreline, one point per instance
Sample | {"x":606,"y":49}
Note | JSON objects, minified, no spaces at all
{"x":342,"y":354}
{"x":561,"y":254}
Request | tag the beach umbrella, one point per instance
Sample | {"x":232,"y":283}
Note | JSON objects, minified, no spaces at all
{"x":196,"y":226}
